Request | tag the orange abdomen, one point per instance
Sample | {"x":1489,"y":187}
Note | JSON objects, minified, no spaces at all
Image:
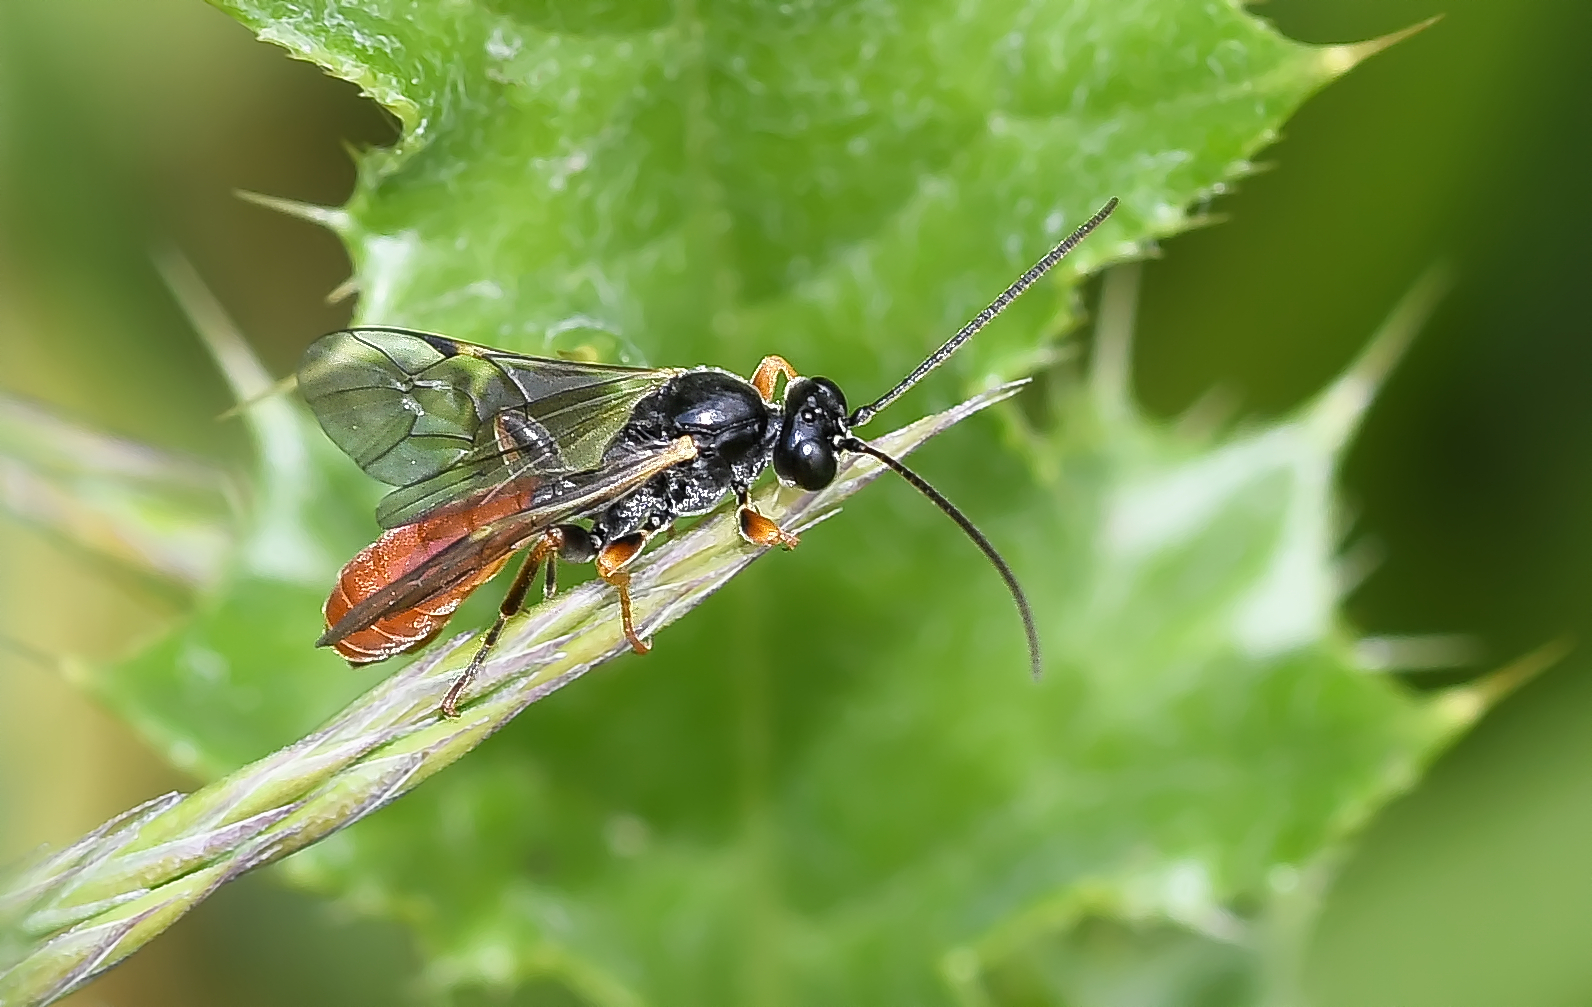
{"x":399,"y":551}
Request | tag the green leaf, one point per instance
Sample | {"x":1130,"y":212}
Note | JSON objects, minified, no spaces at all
{"x":235,"y":680}
{"x":840,"y":183}
{"x":885,"y":809}
{"x":835,"y":784}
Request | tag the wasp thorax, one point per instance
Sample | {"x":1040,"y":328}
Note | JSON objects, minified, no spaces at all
{"x":815,"y":415}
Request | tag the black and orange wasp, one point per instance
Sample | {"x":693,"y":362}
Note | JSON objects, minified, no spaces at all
{"x":492,"y":453}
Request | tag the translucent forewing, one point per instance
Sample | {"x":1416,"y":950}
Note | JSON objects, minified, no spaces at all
{"x":448,"y":421}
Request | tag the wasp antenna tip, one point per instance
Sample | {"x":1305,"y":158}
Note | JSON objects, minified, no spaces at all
{"x":1030,"y":627}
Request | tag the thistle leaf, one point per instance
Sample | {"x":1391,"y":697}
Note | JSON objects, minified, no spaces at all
{"x":835,"y":784}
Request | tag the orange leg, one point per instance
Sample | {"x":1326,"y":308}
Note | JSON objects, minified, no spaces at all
{"x":546,"y":548}
{"x":759,"y":530}
{"x":611,"y":564}
{"x":768,"y":372}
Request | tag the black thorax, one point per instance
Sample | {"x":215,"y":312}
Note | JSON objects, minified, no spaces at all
{"x":734,"y":431}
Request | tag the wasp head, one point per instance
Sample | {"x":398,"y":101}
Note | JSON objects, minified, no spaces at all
{"x":814,"y":422}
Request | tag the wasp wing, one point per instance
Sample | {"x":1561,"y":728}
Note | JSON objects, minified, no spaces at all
{"x":554,"y":503}
{"x":446,"y":420}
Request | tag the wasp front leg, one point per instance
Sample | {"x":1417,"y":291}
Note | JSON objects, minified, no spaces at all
{"x":768,"y":372}
{"x":759,"y":530}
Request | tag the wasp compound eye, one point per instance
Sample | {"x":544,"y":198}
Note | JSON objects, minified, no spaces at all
{"x":809,"y":464}
{"x":815,"y":414}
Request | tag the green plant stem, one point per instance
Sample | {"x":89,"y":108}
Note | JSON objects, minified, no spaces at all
{"x":78,"y":912}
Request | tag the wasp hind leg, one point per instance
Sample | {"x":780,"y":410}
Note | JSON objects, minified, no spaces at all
{"x":768,"y":373}
{"x":546,"y":548}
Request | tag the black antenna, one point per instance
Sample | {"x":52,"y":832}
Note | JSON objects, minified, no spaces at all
{"x":984,"y":317}
{"x":922,"y":486}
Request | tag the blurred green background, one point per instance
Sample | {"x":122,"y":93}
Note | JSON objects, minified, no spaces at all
{"x":127,"y":127}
